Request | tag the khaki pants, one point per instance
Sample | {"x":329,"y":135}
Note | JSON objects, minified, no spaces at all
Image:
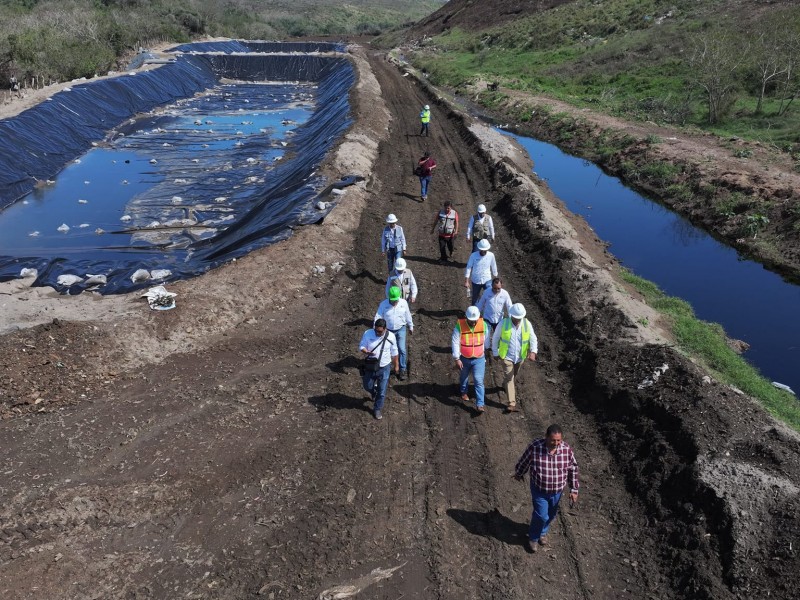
{"x":510,"y":371}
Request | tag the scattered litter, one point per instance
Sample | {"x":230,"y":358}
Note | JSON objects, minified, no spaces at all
{"x":140,"y":275}
{"x":125,"y":218}
{"x":159,"y":298}
{"x":654,"y":377}
{"x":177,"y":199}
{"x":82,"y":201}
{"x":339,"y":592}
{"x":63,"y":228}
{"x":95,"y":279}
{"x":338,"y":192}
{"x":783,"y":386}
{"x":317,"y":270}
{"x":153,"y":161}
{"x":34,"y":234}
{"x":160,"y":273}
{"x":220,"y":199}
{"x":68,"y":280}
{"x":83,"y":226}
{"x":25,"y":273}
{"x":321,"y":205}
{"x":99,"y":231}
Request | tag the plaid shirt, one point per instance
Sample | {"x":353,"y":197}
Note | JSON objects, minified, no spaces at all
{"x":549,"y":472}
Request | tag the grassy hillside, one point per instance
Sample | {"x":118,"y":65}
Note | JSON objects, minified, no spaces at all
{"x":701,"y":62}
{"x":65,"y":39}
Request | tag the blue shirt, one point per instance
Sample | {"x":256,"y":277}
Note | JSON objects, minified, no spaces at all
{"x":393,"y":237}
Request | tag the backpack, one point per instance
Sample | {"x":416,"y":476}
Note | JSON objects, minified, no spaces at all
{"x":480,"y":229}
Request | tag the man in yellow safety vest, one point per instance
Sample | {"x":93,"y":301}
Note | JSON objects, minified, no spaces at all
{"x":425,"y":120}
{"x":513,"y":341}
{"x":467,"y":344}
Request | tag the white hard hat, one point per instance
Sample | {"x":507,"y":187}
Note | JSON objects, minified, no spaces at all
{"x":484,"y":245}
{"x":481,"y":208}
{"x":400,"y":264}
{"x":427,"y":107}
{"x":517,"y":311}
{"x":473,"y":314}
{"x":391,"y":219}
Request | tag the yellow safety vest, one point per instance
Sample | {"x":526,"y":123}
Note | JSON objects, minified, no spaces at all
{"x":472,"y":340}
{"x":425,"y":116}
{"x":505,"y":338}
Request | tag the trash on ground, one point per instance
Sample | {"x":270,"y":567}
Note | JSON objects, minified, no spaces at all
{"x":159,"y":298}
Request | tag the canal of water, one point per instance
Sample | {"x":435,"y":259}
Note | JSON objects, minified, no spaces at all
{"x":750,"y":302}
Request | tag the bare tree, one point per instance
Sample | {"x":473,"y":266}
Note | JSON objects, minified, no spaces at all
{"x":768,"y":59}
{"x":790,"y":82}
{"x":715,"y":63}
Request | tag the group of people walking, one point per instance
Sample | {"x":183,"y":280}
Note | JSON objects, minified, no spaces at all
{"x":492,"y":327}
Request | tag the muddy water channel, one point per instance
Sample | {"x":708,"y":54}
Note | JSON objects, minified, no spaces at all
{"x":751,"y":303}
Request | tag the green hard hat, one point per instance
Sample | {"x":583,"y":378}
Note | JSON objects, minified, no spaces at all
{"x":395,"y":293}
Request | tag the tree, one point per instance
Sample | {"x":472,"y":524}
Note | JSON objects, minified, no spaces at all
{"x":715,"y":63}
{"x":768,"y":59}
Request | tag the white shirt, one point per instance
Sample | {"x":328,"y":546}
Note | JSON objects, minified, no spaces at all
{"x":489,"y":226}
{"x":493,"y":306}
{"x":371,"y":342}
{"x":482,"y":268}
{"x":407,"y":283}
{"x":515,"y":343}
{"x":396,"y":316}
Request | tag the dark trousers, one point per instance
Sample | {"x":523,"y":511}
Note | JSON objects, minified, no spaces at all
{"x":424,"y":129}
{"x":445,"y":247}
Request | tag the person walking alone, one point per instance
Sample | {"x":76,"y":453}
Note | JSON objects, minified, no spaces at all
{"x":379,"y":348}
{"x":445,"y":223}
{"x":481,"y":227}
{"x":394,"y":310}
{"x":467,"y":345}
{"x":481,"y":268}
{"x":514,"y":341}
{"x":425,"y":120}
{"x":403,"y":278}
{"x":494,"y":305}
{"x":393,"y":241}
{"x":551,"y":465}
{"x":424,"y":171}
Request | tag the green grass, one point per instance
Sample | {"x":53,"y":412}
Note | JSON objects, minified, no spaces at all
{"x":706,"y":342}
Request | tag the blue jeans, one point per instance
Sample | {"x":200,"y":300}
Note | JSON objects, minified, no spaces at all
{"x":424,"y":129}
{"x":477,"y":288}
{"x":545,"y":508}
{"x":376,"y":383}
{"x":476,"y":366}
{"x":392,"y":254}
{"x":424,"y":182}
{"x":400,"y":334}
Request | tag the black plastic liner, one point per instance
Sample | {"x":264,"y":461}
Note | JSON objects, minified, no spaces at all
{"x":87,"y":113}
{"x":258,"y":46}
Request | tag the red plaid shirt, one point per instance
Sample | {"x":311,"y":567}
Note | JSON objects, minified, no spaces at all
{"x":549,"y":472}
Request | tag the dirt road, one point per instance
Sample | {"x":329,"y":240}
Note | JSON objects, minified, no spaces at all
{"x":244,"y":462}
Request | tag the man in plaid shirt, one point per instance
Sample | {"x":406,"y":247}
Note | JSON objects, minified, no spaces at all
{"x":552,"y":465}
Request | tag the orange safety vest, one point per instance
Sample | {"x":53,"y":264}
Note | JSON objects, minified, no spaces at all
{"x":472,"y":340}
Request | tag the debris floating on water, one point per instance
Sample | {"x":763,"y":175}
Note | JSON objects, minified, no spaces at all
{"x":783,"y":386}
{"x":63,"y":228}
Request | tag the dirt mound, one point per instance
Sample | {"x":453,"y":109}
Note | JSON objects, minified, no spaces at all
{"x":475,"y":16}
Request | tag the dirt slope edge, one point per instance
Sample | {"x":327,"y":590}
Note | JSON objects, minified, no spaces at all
{"x":719,"y":477}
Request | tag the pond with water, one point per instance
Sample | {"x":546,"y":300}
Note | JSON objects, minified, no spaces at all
{"x":750,"y":302}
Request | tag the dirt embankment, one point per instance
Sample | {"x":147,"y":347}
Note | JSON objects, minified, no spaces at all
{"x":225,"y":449}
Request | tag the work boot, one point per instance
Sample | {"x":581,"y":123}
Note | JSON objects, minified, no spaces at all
{"x":401,"y":376}
{"x":378,"y":415}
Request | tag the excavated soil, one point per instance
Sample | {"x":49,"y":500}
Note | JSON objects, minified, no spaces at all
{"x":225,"y":449}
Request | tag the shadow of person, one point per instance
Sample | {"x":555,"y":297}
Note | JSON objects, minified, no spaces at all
{"x":445,"y":393}
{"x":340,"y":402}
{"x":491,"y":523}
{"x":364,"y":274}
{"x":441,"y":349}
{"x":407,"y":195}
{"x":441,"y":314}
{"x":340,"y":366}
{"x":362,"y":321}
{"x":422,"y":259}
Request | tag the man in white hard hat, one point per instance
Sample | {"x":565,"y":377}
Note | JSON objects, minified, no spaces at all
{"x":403,"y":278}
{"x":514,"y":341}
{"x":393,"y":241}
{"x":481,"y":227}
{"x":467,"y":344}
{"x":399,"y":321}
{"x":481,"y":269}
{"x":379,"y":349}
{"x":425,"y":120}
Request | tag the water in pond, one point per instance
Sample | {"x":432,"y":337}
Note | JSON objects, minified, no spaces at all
{"x":163,"y":182}
{"x":751,"y":303}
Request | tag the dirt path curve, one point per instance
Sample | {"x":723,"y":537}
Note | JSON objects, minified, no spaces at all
{"x":248,"y":465}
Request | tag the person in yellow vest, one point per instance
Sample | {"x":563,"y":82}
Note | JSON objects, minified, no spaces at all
{"x":513,"y":341}
{"x":467,"y":343}
{"x":425,"y":120}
